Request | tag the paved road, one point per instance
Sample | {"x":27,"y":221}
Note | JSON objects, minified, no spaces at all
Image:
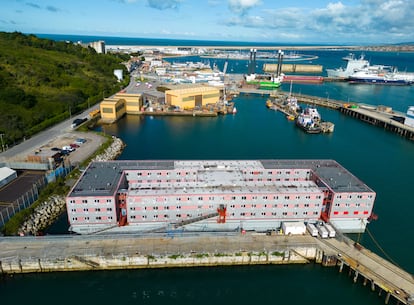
{"x":66,"y":246}
{"x":21,"y":150}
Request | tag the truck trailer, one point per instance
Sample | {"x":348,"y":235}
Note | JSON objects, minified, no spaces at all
{"x":312,"y":229}
{"x":323,"y":232}
{"x":331,"y":230}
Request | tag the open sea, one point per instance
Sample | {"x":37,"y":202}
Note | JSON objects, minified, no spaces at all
{"x":381,"y":159}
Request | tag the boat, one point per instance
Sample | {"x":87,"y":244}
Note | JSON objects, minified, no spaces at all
{"x":408,"y":76}
{"x":377,"y":75}
{"x":353,"y":65}
{"x":265,"y":82}
{"x":303,"y":78}
{"x":309,"y":120}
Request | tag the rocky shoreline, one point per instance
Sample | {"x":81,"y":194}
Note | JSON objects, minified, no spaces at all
{"x":112,"y":152}
{"x":48,"y":211}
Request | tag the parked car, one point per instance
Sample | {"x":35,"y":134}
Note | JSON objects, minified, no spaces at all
{"x":80,"y":141}
{"x":68,"y":148}
{"x":74,"y":145}
{"x":55,"y":149}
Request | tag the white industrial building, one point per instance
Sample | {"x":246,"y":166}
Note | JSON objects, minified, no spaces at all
{"x":7,"y":175}
{"x":119,"y":74}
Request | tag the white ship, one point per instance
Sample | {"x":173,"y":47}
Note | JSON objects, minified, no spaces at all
{"x":352,"y":66}
{"x":378,"y":74}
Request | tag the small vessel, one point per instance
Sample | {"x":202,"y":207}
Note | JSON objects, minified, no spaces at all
{"x":265,"y":82}
{"x":309,"y":120}
{"x":303,"y":78}
{"x":353,"y":65}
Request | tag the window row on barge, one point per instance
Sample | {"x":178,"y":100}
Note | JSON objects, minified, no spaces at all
{"x":216,"y":195}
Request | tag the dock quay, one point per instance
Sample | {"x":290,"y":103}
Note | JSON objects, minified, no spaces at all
{"x":185,"y":249}
{"x":375,"y":115}
{"x":181,"y":113}
{"x":370,"y":269}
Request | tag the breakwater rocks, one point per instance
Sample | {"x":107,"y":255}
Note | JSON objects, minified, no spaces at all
{"x":112,"y":152}
{"x":43,"y":216}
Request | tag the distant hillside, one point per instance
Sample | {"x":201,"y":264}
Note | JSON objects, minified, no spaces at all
{"x":42,"y":81}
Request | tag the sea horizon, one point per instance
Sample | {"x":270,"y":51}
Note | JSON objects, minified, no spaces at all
{"x":124,"y":40}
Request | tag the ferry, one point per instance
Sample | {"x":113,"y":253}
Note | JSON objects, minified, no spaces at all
{"x":377,"y":75}
{"x":353,"y":65}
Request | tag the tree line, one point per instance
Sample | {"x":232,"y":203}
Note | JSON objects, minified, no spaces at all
{"x":43,"y":81}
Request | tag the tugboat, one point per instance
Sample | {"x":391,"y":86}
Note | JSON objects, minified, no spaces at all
{"x":309,"y":120}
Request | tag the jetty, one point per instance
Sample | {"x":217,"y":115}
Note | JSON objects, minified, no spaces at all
{"x":287,"y":104}
{"x":381,"y":116}
{"x":178,"y":248}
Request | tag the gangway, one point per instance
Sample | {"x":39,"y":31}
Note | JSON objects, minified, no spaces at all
{"x":195,"y":219}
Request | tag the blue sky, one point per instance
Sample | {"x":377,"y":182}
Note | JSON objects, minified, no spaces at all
{"x":292,"y":21}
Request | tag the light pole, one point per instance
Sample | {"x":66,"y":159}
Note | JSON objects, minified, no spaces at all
{"x":2,"y":144}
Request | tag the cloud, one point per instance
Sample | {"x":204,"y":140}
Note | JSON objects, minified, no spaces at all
{"x":177,"y":34}
{"x":369,"y":20}
{"x":241,"y":7}
{"x":126,"y":1}
{"x":52,"y":9}
{"x":33,"y":5}
{"x":164,"y":4}
{"x":8,"y":22}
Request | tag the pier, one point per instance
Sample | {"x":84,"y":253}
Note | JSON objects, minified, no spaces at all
{"x":186,"y":249}
{"x":366,"y":267}
{"x":375,"y":115}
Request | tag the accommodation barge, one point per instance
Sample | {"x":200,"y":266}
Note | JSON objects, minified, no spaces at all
{"x":216,"y":195}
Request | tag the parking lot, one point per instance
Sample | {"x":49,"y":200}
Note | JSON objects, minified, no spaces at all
{"x":81,"y":151}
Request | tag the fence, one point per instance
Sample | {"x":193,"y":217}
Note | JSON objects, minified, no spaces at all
{"x":26,"y":199}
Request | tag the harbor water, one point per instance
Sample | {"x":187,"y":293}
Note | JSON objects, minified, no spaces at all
{"x":381,"y":159}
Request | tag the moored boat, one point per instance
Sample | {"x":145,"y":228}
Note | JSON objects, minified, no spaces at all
{"x":353,"y":65}
{"x":309,"y":120}
{"x":377,"y":76}
{"x":265,"y":82}
{"x":303,"y":78}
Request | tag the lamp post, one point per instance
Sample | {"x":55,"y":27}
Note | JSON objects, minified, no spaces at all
{"x":2,"y":144}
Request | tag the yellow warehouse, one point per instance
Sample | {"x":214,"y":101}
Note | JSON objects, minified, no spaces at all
{"x":191,"y":97}
{"x":112,"y":109}
{"x":133,"y":102}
